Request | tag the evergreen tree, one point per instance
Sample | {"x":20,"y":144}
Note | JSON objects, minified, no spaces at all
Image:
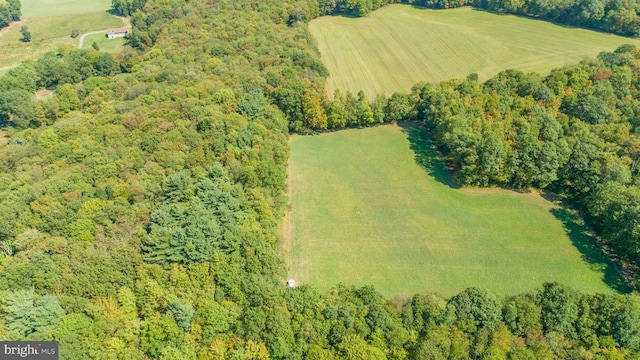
{"x":27,"y":313}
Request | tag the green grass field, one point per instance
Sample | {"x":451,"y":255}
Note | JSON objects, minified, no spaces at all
{"x":398,"y":45}
{"x":375,"y":206}
{"x":47,"y":8}
{"x":50,"y":23}
{"x":104,"y":44}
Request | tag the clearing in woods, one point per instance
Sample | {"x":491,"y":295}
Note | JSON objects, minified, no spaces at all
{"x":50,"y":23}
{"x":376,"y":206}
{"x":398,"y":45}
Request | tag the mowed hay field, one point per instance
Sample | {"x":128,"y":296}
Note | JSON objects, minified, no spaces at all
{"x":375,"y":206}
{"x":398,"y":45}
{"x":50,"y":23}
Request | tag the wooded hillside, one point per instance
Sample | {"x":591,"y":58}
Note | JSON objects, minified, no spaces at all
{"x":140,"y":204}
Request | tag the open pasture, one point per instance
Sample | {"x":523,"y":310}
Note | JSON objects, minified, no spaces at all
{"x":47,"y":8}
{"x":50,"y":23}
{"x":398,"y":45}
{"x":376,"y":206}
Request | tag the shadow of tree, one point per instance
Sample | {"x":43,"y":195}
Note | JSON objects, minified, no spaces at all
{"x":591,"y":250}
{"x":426,"y":154}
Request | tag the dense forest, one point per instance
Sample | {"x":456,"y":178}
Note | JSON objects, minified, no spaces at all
{"x":9,"y":11}
{"x":140,"y":201}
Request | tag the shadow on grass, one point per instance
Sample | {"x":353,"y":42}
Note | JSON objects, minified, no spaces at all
{"x":426,"y":154}
{"x":541,"y":19}
{"x":590,"y":250}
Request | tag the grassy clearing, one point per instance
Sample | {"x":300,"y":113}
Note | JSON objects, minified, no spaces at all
{"x":399,"y":45}
{"x":61,"y":26}
{"x":47,"y":8}
{"x":4,"y":140}
{"x":375,"y":206}
{"x":104,"y":44}
{"x":50,"y":23}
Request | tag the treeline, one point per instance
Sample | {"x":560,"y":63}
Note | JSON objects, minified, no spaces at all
{"x":614,"y":16}
{"x":127,"y":7}
{"x":618,"y":17}
{"x":573,"y":131}
{"x":9,"y":11}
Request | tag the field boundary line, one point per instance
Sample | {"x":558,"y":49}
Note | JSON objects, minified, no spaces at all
{"x":6,"y":29}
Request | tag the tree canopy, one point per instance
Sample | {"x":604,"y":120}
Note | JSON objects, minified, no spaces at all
{"x":140,"y":201}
